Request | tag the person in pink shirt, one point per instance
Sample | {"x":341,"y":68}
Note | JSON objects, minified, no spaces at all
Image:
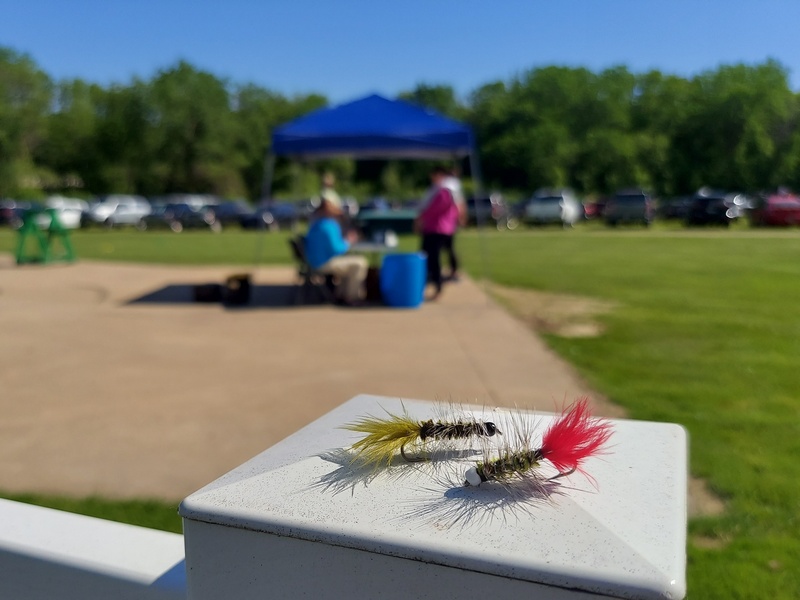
{"x":453,"y":183}
{"x":437,"y":222}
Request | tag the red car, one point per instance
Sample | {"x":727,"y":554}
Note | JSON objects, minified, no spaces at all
{"x":777,"y":210}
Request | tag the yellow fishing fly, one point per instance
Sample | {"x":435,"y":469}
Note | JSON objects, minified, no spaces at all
{"x":389,"y":436}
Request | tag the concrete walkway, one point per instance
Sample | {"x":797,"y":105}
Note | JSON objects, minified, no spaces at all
{"x":114,"y":382}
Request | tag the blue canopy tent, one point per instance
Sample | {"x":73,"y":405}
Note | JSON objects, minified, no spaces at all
{"x":373,"y":127}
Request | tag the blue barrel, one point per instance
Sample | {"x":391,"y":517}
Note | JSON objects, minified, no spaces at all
{"x":403,"y":278}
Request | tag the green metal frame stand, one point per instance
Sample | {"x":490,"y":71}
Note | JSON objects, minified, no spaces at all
{"x":44,"y":239}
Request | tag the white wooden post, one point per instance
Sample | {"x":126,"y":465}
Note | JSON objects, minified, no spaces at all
{"x":298,"y":522}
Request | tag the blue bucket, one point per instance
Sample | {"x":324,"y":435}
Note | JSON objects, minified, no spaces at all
{"x":403,"y":278}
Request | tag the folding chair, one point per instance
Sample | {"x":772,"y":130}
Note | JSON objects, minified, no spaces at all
{"x":312,"y":281}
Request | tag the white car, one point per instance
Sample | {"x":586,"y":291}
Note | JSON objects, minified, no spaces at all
{"x":68,"y":211}
{"x":552,"y":207}
{"x":118,"y":209}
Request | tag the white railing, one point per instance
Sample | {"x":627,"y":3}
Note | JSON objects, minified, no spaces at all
{"x":46,"y":554}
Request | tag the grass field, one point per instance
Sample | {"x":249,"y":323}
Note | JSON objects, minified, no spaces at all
{"x":706,"y":333}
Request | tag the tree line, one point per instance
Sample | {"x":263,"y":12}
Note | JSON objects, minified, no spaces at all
{"x":736,"y":127}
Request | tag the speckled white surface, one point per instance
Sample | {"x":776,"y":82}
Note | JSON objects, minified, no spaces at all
{"x":625,"y":538}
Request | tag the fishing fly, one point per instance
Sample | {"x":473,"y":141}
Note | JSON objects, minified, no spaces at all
{"x":572,"y":438}
{"x":386,"y":437}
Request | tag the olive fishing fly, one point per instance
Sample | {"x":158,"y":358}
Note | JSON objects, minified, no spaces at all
{"x":572,"y":438}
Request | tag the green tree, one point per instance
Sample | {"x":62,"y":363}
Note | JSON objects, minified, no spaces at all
{"x":441,"y":98}
{"x":186,"y":130}
{"x":609,"y":156}
{"x":736,"y":129}
{"x":70,"y":146}
{"x":194,"y":133}
{"x":125,"y":139}
{"x":488,"y":116}
{"x":787,"y":162}
{"x":257,"y":111}
{"x":25,"y":95}
{"x":608,"y":161}
{"x":529,"y":131}
{"x":660,"y":105}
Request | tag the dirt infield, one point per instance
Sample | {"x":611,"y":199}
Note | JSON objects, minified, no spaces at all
{"x":113,"y":381}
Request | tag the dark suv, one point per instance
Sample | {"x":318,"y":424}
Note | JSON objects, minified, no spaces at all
{"x":712,"y":208}
{"x":629,"y":206}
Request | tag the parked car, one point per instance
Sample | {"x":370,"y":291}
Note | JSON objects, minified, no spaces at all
{"x":781,"y":209}
{"x":195,"y":201}
{"x":675,"y":208}
{"x":594,"y":209}
{"x":708,"y":207}
{"x":231,"y":212}
{"x":548,"y":207}
{"x":116,"y":209}
{"x":306,"y":207}
{"x":490,"y":210}
{"x":411,"y":204}
{"x":7,"y":207}
{"x":376,"y":203}
{"x":13,"y":211}
{"x":68,"y":211}
{"x":629,"y":206}
{"x":273,"y":215}
{"x":180,"y":216}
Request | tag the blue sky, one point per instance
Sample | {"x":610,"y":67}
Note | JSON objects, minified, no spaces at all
{"x":349,"y":48}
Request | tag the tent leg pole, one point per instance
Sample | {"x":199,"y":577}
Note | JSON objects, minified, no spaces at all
{"x":266,"y":194}
{"x":477,"y":183}
{"x":269,"y":173}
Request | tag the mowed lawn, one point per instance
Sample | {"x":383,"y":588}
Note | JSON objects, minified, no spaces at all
{"x":705,"y":333}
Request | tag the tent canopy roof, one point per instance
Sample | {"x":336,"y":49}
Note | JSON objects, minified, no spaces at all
{"x":373,"y":127}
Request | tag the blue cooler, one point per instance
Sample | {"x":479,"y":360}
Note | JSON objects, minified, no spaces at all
{"x":403,"y":278}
